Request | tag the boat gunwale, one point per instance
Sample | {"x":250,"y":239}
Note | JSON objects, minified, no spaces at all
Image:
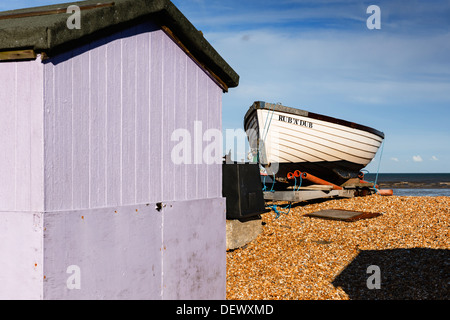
{"x":294,"y":111}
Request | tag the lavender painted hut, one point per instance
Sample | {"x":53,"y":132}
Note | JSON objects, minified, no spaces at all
{"x":91,"y":205}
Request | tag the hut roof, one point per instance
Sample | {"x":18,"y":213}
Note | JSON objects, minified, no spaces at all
{"x":44,"y":29}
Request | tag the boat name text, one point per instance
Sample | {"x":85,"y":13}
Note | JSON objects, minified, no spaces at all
{"x":298,"y":122}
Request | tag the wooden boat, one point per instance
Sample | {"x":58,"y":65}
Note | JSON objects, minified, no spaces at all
{"x":285,"y":139}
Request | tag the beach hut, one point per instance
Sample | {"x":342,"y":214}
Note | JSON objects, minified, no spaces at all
{"x":92,"y":205}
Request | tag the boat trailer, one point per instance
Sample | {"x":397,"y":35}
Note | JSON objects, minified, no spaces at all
{"x":320,"y":189}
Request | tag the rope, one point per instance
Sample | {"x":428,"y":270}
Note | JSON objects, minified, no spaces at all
{"x":274,"y":208}
{"x":265,"y":131}
{"x":299,"y":185}
{"x":265,"y":124}
{"x":271,"y":116}
{"x":264,"y":184}
{"x":378,"y":169}
{"x":379,"y":162}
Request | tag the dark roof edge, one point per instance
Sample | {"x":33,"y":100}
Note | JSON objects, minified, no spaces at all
{"x":50,"y":34}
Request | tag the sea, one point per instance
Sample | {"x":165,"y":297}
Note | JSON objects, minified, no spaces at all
{"x":413,"y":184}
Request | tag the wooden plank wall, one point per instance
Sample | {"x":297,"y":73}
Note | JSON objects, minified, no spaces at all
{"x":85,"y":140}
{"x":21,"y":132}
{"x":111,"y":108}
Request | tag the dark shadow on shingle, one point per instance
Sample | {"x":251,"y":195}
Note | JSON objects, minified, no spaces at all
{"x":405,"y":274}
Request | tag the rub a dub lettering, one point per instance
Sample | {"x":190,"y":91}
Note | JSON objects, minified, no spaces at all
{"x":298,"y":122}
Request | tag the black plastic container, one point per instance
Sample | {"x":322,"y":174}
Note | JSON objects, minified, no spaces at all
{"x":241,"y":186}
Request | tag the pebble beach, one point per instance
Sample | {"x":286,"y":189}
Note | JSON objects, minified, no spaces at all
{"x":297,"y":257}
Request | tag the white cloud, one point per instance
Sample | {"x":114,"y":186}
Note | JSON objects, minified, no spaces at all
{"x":434,"y":158}
{"x":417,"y":159}
{"x":394,"y":159}
{"x":322,"y":70}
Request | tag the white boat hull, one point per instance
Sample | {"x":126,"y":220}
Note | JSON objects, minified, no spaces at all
{"x":291,"y":139}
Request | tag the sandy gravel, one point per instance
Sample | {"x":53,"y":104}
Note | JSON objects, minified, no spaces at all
{"x":299,"y":257}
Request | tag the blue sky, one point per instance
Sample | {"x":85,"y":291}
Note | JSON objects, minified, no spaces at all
{"x":320,"y":56}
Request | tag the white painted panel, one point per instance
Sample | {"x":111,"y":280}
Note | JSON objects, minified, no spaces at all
{"x":180,"y":122}
{"x":137,"y":252}
{"x":215,"y":122}
{"x":193,"y":169}
{"x":202,"y":116}
{"x":21,"y":267}
{"x":156,"y":115}
{"x":24,"y":103}
{"x":37,"y":136}
{"x":129,"y":69}
{"x":80,"y":125}
{"x":97,"y":126}
{"x":21,"y":139}
{"x":58,"y":133}
{"x":117,"y":250}
{"x":194,"y":259}
{"x":142,"y":117}
{"x":8,"y":136}
{"x":168,"y":124}
{"x":113,"y":124}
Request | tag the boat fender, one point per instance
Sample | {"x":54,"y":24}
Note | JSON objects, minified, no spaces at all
{"x":385,"y":192}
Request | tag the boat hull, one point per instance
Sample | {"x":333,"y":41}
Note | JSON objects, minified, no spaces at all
{"x":287,"y":139}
